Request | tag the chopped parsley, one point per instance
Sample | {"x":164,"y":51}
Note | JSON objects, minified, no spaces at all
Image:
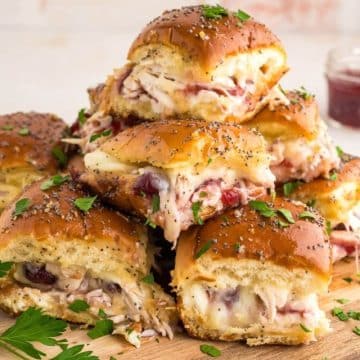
{"x":102,"y":327}
{"x":54,"y":181}
{"x":305,"y":328}
{"x":102,"y":314}
{"x":210,"y":350}
{"x":82,"y":116}
{"x":287,"y":215}
{"x":302,"y":92}
{"x":105,"y":133}
{"x":5,"y":267}
{"x":340,"y":151}
{"x":214,"y":11}
{"x":307,"y":215}
{"x":262,"y":207}
{"x":24,"y":131}
{"x":290,"y":187}
{"x":339,"y":313}
{"x":333,"y":176}
{"x":155,"y":203}
{"x":148,"y":279}
{"x":203,"y":194}
{"x":204,"y":249}
{"x":342,"y":301}
{"x":150,"y":223}
{"x":356,"y":330}
{"x":85,"y":203}
{"x":355,"y":315}
{"x":196,"y":207}
{"x":282,"y":224}
{"x":7,"y":127}
{"x":311,"y":203}
{"x":59,"y":155}
{"x":242,"y":15}
{"x":78,"y":306}
{"x":209,"y":161}
{"x":21,"y":206}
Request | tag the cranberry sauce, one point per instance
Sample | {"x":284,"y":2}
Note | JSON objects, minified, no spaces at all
{"x":149,"y":184}
{"x":344,"y":97}
{"x":37,"y":274}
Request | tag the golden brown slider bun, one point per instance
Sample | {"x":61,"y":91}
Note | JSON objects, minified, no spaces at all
{"x":185,"y":64}
{"x":297,"y":137}
{"x":244,"y":276}
{"x":338,"y":198}
{"x":26,"y":144}
{"x":62,"y":254}
{"x":162,"y":170}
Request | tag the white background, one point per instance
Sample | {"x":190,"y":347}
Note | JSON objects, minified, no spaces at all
{"x":53,"y":50}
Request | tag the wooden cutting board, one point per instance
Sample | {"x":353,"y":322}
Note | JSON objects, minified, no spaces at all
{"x":341,"y":344}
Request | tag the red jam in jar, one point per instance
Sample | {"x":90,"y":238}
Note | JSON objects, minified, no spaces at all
{"x":343,"y":75}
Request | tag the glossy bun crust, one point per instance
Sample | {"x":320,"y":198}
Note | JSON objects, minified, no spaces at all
{"x":170,"y":144}
{"x":41,"y":132}
{"x":337,"y":197}
{"x":303,"y":244}
{"x":203,"y":40}
{"x":297,"y":118}
{"x":26,"y":143}
{"x":52,"y":227}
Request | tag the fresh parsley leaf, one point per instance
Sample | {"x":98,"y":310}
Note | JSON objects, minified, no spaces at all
{"x":94,"y":137}
{"x":21,"y":206}
{"x":24,"y":131}
{"x":348,"y":279}
{"x":311,"y":203}
{"x":75,"y":353}
{"x":290,"y":187}
{"x":356,"y":330}
{"x":5,"y":267}
{"x":307,"y":215}
{"x":79,"y":306}
{"x":82,"y":116}
{"x":32,"y":325}
{"x":150,"y":223}
{"x":242,"y":15}
{"x":209,"y":161}
{"x":355,"y":315}
{"x":148,"y":279}
{"x":102,"y":314}
{"x":54,"y":181}
{"x":305,"y":328}
{"x":204,"y":249}
{"x":155,"y":203}
{"x":262,"y":207}
{"x":195,"y":207}
{"x":287,"y":215}
{"x":333,"y":176}
{"x":7,"y":127}
{"x":85,"y":203}
{"x":302,"y":92}
{"x":328,"y":227}
{"x":282,"y":224}
{"x":339,"y":313}
{"x":214,"y":12}
{"x":342,"y":301}
{"x":102,"y":328}
{"x":340,"y":151}
{"x":210,"y":350}
{"x":59,"y":155}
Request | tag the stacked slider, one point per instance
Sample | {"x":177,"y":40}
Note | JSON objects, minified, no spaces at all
{"x":217,"y":132}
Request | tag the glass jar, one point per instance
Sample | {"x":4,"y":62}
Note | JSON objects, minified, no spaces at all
{"x":343,"y":78}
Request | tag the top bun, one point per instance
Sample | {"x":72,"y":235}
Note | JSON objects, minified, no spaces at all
{"x":203,"y":38}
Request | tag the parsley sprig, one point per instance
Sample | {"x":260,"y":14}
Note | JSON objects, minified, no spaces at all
{"x":214,"y":11}
{"x":75,"y":353}
{"x":32,"y":326}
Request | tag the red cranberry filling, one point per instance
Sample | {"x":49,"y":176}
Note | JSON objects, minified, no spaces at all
{"x":148,"y":184}
{"x":230,"y":197}
{"x":37,"y":274}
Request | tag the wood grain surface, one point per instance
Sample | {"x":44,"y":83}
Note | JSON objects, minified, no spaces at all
{"x":341,"y":344}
